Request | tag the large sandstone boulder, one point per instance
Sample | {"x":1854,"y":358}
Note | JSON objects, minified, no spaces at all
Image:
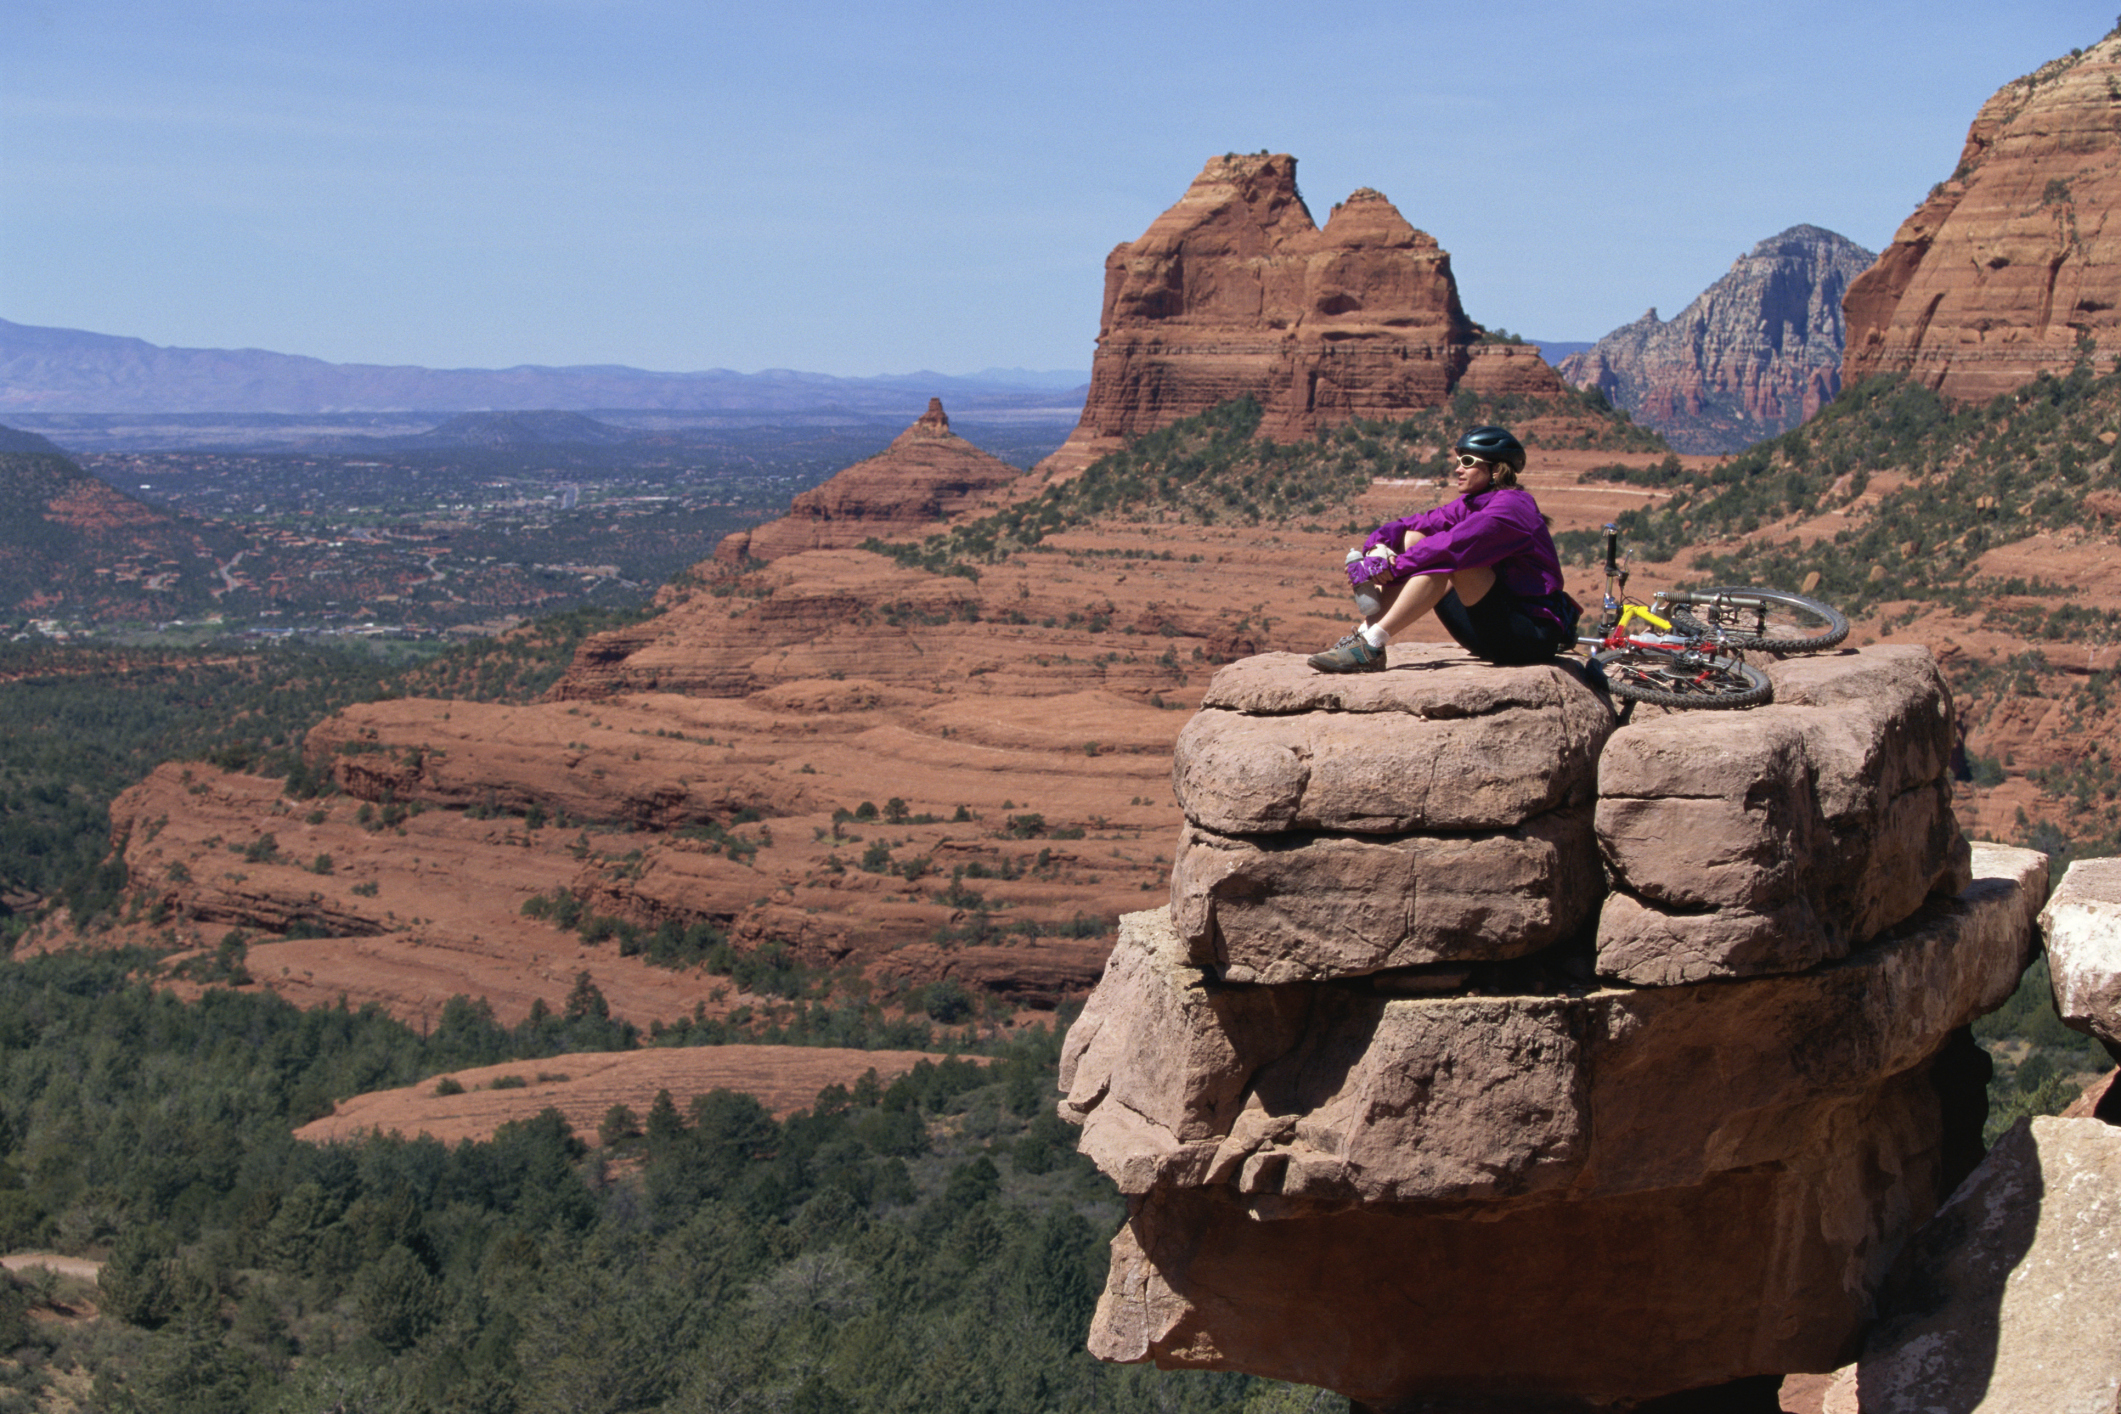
{"x":2009,"y":1300}
{"x":1234,"y":291}
{"x":1434,"y":812}
{"x":1337,"y":1186}
{"x":621,"y":762}
{"x":2082,"y":925}
{"x":1776,"y":839}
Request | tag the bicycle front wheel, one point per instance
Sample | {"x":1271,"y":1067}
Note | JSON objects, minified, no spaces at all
{"x":1681,"y":679}
{"x":1770,"y":620}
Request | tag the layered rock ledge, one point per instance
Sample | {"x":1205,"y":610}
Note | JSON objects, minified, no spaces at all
{"x":1439,"y":812}
{"x":1451,"y":811}
{"x":1408,"y":1104}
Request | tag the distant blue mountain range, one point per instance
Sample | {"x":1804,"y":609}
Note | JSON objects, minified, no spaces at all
{"x":71,"y":371}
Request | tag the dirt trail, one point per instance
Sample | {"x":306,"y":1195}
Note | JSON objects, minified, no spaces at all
{"x":81,"y":1267}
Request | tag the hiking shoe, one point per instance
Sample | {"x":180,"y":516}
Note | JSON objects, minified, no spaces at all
{"x":1352,"y":654}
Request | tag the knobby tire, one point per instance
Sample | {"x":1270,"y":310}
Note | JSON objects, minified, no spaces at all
{"x":1665,"y":680}
{"x":1780,"y":623}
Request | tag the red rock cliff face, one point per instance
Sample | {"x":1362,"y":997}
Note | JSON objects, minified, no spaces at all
{"x":1755,"y":354}
{"x":925,"y":476}
{"x":1235,"y":290}
{"x":1997,"y":275}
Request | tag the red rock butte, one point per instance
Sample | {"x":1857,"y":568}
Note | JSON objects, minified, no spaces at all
{"x":1235,"y":291}
{"x":925,"y":476}
{"x":1998,"y":274}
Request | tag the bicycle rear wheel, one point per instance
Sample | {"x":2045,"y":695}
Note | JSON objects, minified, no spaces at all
{"x":1681,"y":679}
{"x":1770,"y":620}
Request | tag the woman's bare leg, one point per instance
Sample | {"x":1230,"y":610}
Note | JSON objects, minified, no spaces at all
{"x":1402,"y":602}
{"x":1408,"y":599}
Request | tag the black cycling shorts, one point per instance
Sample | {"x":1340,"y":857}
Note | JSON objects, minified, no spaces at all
{"x":1500,"y":628}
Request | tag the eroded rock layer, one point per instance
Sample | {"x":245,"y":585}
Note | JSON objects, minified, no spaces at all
{"x":1394,"y":1056}
{"x":1442,"y":812}
{"x":2008,"y":264}
{"x":1755,"y":354}
{"x":1374,"y":1194}
{"x":1235,"y":291}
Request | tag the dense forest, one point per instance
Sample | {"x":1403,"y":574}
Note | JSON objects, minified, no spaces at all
{"x":933,"y":1244}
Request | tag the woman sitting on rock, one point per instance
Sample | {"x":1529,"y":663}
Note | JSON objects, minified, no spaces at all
{"x":1485,"y":563}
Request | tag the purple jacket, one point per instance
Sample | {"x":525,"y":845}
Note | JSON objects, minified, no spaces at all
{"x":1499,"y":527}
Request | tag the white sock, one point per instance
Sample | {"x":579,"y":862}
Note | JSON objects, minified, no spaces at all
{"x":1375,"y":636}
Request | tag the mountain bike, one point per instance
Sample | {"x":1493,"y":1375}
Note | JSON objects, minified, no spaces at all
{"x":1692,"y":654}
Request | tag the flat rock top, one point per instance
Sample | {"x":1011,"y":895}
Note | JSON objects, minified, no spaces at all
{"x":1434,"y":681}
{"x":1884,"y":672}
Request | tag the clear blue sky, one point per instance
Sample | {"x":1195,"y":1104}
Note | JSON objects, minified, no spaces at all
{"x":881,"y":187}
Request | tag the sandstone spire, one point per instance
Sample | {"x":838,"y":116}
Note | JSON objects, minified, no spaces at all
{"x":1235,"y":290}
{"x":2008,"y":263}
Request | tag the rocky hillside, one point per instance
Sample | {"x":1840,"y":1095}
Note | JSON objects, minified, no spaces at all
{"x":2007,"y":268}
{"x":947,"y":760}
{"x":72,"y":543}
{"x":1235,"y":292}
{"x":1756,"y":353}
{"x":929,"y":762}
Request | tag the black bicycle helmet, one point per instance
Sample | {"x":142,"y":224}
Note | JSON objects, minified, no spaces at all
{"x":1492,"y":444}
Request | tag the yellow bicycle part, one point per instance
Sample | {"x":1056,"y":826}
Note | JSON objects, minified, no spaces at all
{"x":1636,"y":611}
